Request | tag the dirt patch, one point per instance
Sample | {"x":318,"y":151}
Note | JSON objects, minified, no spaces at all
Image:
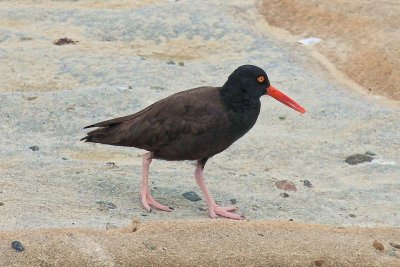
{"x":360,"y":37}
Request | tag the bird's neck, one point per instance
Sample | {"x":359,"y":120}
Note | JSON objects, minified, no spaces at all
{"x":236,"y":99}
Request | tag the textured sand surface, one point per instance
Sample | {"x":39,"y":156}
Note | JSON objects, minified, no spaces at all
{"x":361,"y":37}
{"x":129,"y":54}
{"x":204,"y":243}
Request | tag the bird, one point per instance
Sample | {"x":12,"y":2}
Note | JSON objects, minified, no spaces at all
{"x":194,"y":124}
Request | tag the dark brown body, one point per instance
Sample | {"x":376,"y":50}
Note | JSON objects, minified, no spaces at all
{"x":189,"y":125}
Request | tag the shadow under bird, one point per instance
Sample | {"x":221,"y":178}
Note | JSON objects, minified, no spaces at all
{"x":194,"y":124}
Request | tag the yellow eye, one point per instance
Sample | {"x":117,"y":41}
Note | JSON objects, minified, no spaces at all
{"x":261,"y":79}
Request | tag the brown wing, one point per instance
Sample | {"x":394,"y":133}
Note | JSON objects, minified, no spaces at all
{"x":180,"y":122}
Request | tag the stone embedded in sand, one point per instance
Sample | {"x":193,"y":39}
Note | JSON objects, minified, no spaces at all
{"x":286,"y":185}
{"x":64,"y":41}
{"x":395,"y":245}
{"x":17,"y":246}
{"x":192,"y":196}
{"x":378,"y":245}
{"x":110,"y":226}
{"x":358,"y":158}
{"x":370,"y":153}
{"x":319,"y":262}
{"x":34,"y":148}
{"x":307,"y":183}
{"x":110,"y":164}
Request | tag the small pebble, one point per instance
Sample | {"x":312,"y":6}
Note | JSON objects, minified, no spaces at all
{"x":110,"y":164}
{"x":307,"y":183}
{"x":135,"y":225}
{"x":282,"y":117}
{"x":370,"y":153}
{"x":34,"y":148}
{"x":358,"y":158}
{"x":286,"y":185}
{"x":171,"y":62}
{"x":284,"y":195}
{"x":352,"y":215}
{"x":1,"y":204}
{"x":319,"y":262}
{"x":181,"y":64}
{"x":290,"y":220}
{"x":192,"y":196}
{"x":30,"y":98}
{"x":378,"y":245}
{"x":233,"y":201}
{"x":17,"y":246}
{"x":202,"y":209}
{"x":395,"y":245}
{"x":64,"y":41}
{"x":64,"y":158}
{"x":110,"y":226}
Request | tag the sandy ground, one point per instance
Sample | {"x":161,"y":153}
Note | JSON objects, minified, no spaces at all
{"x":204,"y":243}
{"x":361,"y":37}
{"x":129,"y":54}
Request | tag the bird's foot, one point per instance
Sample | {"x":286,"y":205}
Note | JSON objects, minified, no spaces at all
{"x":148,"y":201}
{"x":216,"y":211}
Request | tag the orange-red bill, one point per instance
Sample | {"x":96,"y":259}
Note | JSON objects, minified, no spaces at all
{"x":281,"y":97}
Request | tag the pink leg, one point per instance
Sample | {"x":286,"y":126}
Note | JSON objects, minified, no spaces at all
{"x":147,"y":199}
{"x":213,"y":208}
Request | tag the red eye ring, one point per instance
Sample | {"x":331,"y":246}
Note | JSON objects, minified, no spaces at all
{"x":261,"y":79}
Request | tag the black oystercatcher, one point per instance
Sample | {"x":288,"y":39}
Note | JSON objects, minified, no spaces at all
{"x":194,"y":124}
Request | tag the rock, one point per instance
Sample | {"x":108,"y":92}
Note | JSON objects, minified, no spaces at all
{"x":233,"y":201}
{"x":358,"y":158}
{"x":286,"y":185}
{"x":64,"y":41}
{"x":171,"y":62}
{"x":378,"y":245}
{"x":1,"y":204}
{"x":135,"y":225}
{"x":370,"y":153}
{"x":352,"y":215}
{"x":282,"y":118}
{"x":319,"y":262}
{"x":192,"y":196}
{"x":110,"y":226}
{"x":110,"y":164}
{"x":181,"y":64}
{"x":285,"y":195}
{"x":34,"y":148}
{"x":17,"y":246}
{"x":395,"y":245}
{"x":307,"y":183}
